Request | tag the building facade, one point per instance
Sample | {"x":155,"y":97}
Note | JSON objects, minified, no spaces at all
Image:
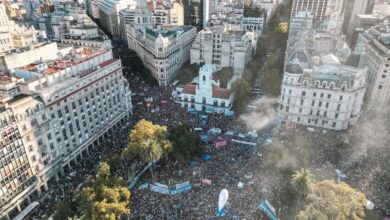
{"x":224,"y":48}
{"x":16,"y":173}
{"x":377,"y":50}
{"x":193,"y":13}
{"x":63,"y":108}
{"x":109,"y":15}
{"x":206,"y":95}
{"x":163,"y":50}
{"x":327,"y":95}
{"x":321,"y":10}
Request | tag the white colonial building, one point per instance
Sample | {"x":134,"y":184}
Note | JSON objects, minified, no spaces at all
{"x":328,"y":95}
{"x":224,"y":48}
{"x":206,"y":95}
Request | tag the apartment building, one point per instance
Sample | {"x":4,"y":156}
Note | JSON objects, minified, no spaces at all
{"x":224,"y":48}
{"x":63,"y":108}
{"x":377,"y":49}
{"x":36,"y":52}
{"x":327,"y":95}
{"x":163,"y":50}
{"x":109,"y":15}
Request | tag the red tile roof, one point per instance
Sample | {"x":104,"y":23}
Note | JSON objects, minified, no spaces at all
{"x":189,"y":89}
{"x":221,"y":93}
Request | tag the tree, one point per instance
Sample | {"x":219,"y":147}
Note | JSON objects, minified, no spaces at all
{"x":105,"y":198}
{"x":63,"y":211}
{"x":302,"y":181}
{"x":185,"y":143}
{"x":242,"y":91}
{"x":103,"y":171}
{"x":148,"y":141}
{"x":270,"y":82}
{"x":188,"y":72}
{"x":283,"y":27}
{"x":224,"y":76}
{"x":76,"y":218}
{"x":329,"y":200}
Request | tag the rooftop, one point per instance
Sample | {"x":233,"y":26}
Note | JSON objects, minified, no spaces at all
{"x":167,"y":31}
{"x":76,"y":56}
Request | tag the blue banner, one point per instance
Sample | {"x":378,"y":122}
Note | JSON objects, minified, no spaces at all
{"x":180,"y":190}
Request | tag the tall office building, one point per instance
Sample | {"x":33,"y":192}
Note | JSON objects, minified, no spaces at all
{"x":109,"y":14}
{"x":193,"y":13}
{"x":16,"y":175}
{"x":321,"y":9}
{"x":378,"y":52}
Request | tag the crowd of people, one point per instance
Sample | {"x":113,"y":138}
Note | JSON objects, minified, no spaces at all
{"x":236,"y":167}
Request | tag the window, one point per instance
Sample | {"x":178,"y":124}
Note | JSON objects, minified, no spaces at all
{"x":319,"y":104}
{"x":336,"y":115}
{"x":341,"y":98}
{"x":329,"y":95}
{"x":314,"y":94}
{"x":289,"y":91}
{"x":312,"y":103}
{"x":298,"y":119}
{"x":325,"y":113}
{"x":300,"y":110}
{"x":322,"y":95}
{"x":327,"y":105}
{"x":301,"y":101}
{"x":303,"y":93}
{"x":318,"y":113}
{"x":311,"y":111}
{"x":338,"y":107}
{"x":380,"y":87}
{"x":288,"y":101}
{"x":383,"y":76}
{"x":287,"y":108}
{"x":334,"y":124}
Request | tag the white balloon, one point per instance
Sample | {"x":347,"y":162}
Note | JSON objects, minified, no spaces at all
{"x":369,"y":205}
{"x":223,"y":197}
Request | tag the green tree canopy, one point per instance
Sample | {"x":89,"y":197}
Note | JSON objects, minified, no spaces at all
{"x":108,"y":199}
{"x":329,"y":200}
{"x":242,"y":90}
{"x":270,"y":82}
{"x":302,"y":181}
{"x":103,"y":170}
{"x":63,"y":211}
{"x":149,"y":141}
{"x":186,"y":144}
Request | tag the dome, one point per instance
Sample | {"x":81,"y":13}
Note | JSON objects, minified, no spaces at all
{"x":294,"y":68}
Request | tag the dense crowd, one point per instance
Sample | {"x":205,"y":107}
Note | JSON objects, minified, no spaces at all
{"x":228,"y":167}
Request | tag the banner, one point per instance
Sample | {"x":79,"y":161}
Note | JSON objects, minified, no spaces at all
{"x":180,"y":190}
{"x":160,"y":188}
{"x":229,"y":113}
